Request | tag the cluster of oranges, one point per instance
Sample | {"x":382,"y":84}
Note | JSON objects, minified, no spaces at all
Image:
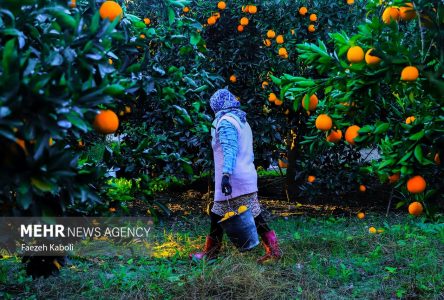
{"x":230,"y":214}
{"x":244,"y":21}
{"x":271,"y":34}
{"x":303,"y":11}
{"x":394,"y":13}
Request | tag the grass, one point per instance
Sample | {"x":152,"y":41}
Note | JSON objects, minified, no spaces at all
{"x":324,"y":258}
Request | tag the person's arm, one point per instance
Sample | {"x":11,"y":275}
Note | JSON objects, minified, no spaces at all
{"x":228,"y":138}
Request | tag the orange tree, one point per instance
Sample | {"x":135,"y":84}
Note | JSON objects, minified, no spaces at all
{"x":57,"y":73}
{"x":381,"y":89}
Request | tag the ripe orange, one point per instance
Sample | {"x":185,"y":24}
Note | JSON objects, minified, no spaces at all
{"x":245,"y":9}
{"x":355,"y":54}
{"x":264,"y":84}
{"x":280,"y":39}
{"x":313,"y":17}
{"x":323,"y":122}
{"x":221,"y":5}
{"x":437,"y":159}
{"x":313,"y":102}
{"x":415,"y":209}
{"x":267,"y":42}
{"x":282,"y":164}
{"x":334,"y":136}
{"x":410,"y":120}
{"x":311,"y":28}
{"x":390,"y":14}
{"x":244,"y":21}
{"x":371,"y":59}
{"x":72,"y":3}
{"x":147,"y":21}
{"x":252,"y":9}
{"x":394,"y":178}
{"x":106,"y":122}
{"x":303,"y":11}
{"x":372,"y":230}
{"x":283,"y":52}
{"x":407,"y":12}
{"x":110,"y":10}
{"x":272,"y":97}
{"x":361,"y":215}
{"x":351,"y":133}
{"x":350,"y":2}
{"x":212,"y":20}
{"x":311,"y":178}
{"x":409,"y":73}
{"x":142,"y":36}
{"x":233,"y":78}
{"x":278,"y":102}
{"x":362,"y":188}
{"x":240,"y":28}
{"x":186,"y":9}
{"x":416,"y":184}
{"x":271,"y":34}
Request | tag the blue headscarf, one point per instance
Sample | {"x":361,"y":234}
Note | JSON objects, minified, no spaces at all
{"x":223,"y":102}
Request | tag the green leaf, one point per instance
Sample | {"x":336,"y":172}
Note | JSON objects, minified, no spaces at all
{"x":417,"y":136}
{"x":171,"y":15}
{"x":114,"y":90}
{"x":195,"y":38}
{"x":418,"y":153}
{"x":382,"y":128}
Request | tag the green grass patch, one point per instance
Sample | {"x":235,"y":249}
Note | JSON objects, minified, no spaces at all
{"x":324,"y":258}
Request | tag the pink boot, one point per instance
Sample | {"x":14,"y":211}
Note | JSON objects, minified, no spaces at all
{"x":272,"y":250}
{"x":210,"y":251}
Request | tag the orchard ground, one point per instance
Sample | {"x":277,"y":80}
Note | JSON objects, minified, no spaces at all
{"x":325,"y":257}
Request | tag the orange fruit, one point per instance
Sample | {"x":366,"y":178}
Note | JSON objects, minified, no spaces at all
{"x":245,"y":8}
{"x":323,"y":122}
{"x":334,"y":136}
{"x":278,"y":102}
{"x":272,"y":97}
{"x":350,"y":2}
{"x":410,"y":120}
{"x":147,"y":21}
{"x":106,"y":122}
{"x":110,"y":61}
{"x":355,"y":54}
{"x":271,"y":34}
{"x":371,"y":59}
{"x":437,"y":159}
{"x":267,"y":42}
{"x":282,"y":164}
{"x":142,"y":36}
{"x":110,"y":10}
{"x":372,"y":230}
{"x":244,"y":21}
{"x":394,"y":178}
{"x":311,"y":28}
{"x":252,"y":9}
{"x":409,"y":73}
{"x":313,"y":17}
{"x":212,"y":20}
{"x":416,"y":184}
{"x":415,"y":208}
{"x":313,"y":102}
{"x":264,"y":84}
{"x":221,"y":5}
{"x":283,"y":52}
{"x":280,"y":39}
{"x":351,"y":133}
{"x":390,"y":14}
{"x":240,"y":28}
{"x":72,"y":3}
{"x":186,"y":9}
{"x":311,"y":178}
{"x":361,"y":215}
{"x":233,"y":78}
{"x":362,"y":188}
{"x":407,"y":12}
{"x":112,"y":209}
{"x":303,"y":11}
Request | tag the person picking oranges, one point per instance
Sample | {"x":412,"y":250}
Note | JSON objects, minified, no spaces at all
{"x":235,"y":176}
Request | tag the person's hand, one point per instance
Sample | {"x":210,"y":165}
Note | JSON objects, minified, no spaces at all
{"x":226,"y":186}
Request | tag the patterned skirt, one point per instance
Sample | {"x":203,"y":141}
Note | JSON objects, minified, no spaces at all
{"x":249,"y":200}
